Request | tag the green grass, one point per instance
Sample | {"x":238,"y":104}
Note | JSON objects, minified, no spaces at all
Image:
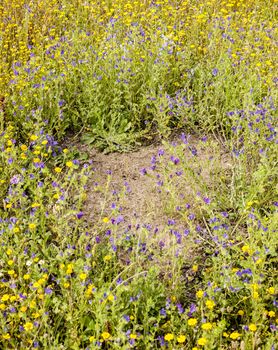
{"x":118,"y":75}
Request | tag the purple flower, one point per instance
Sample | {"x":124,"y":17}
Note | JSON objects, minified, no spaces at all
{"x":171,"y":222}
{"x":206,"y":200}
{"x":215,"y":72}
{"x":79,"y":215}
{"x":160,"y":152}
{"x":48,"y":291}
{"x":174,"y":160}
{"x":143,"y":171}
{"x":180,"y":308}
{"x":15,"y":179}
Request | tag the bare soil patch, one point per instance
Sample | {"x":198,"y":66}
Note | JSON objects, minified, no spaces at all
{"x":118,"y":185}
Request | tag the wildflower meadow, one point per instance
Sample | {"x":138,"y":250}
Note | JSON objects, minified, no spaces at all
{"x":183,"y":254}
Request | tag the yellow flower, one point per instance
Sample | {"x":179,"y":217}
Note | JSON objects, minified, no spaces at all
{"x":107,"y":257}
{"x":92,"y":338}
{"x":240,"y":312}
{"x":32,"y":226}
{"x":192,"y":322}
{"x":5,"y":297}
{"x":69,"y":269}
{"x":252,"y":327}
{"x":105,"y":220}
{"x":169,"y":337}
{"x":200,"y":294}
{"x":207,"y":326}
{"x":26,"y":277}
{"x":69,"y":164}
{"x":65,"y":150}
{"x":234,"y":335}
{"x":105,"y":335}
{"x":181,"y":339}
{"x":28,"y":326}
{"x":255,"y":295}
{"x":58,"y":169}
{"x":271,"y":314}
{"x":23,"y":308}
{"x":35,"y":205}
{"x":9,"y":251}
{"x":133,"y":336}
{"x":2,"y":306}
{"x":33,"y":304}
{"x":83,"y":276}
{"x":23,"y":148}
{"x":271,"y":290}
{"x":89,"y":290}
{"x":44,"y":142}
{"x":33,"y":137}
{"x":10,"y":262}
{"x":195,"y":268}
{"x":246,"y":249}
{"x":110,"y":297}
{"x":202,"y":341}
{"x":6,"y":336}
{"x":210,"y":304}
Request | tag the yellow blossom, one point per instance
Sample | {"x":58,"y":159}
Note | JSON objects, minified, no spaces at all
{"x":111,"y":297}
{"x":32,"y":226}
{"x":105,"y":335}
{"x":207,"y":326}
{"x":234,"y":335}
{"x":6,"y":336}
{"x":169,"y":337}
{"x":5,"y":297}
{"x":28,"y":326}
{"x":82,"y":276}
{"x":271,"y":290}
{"x":252,"y":327}
{"x":210,"y":304}
{"x":181,"y":339}
{"x":200,"y":294}
{"x":33,"y":137}
{"x":195,"y":268}
{"x":192,"y":322}
{"x":202,"y":341}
